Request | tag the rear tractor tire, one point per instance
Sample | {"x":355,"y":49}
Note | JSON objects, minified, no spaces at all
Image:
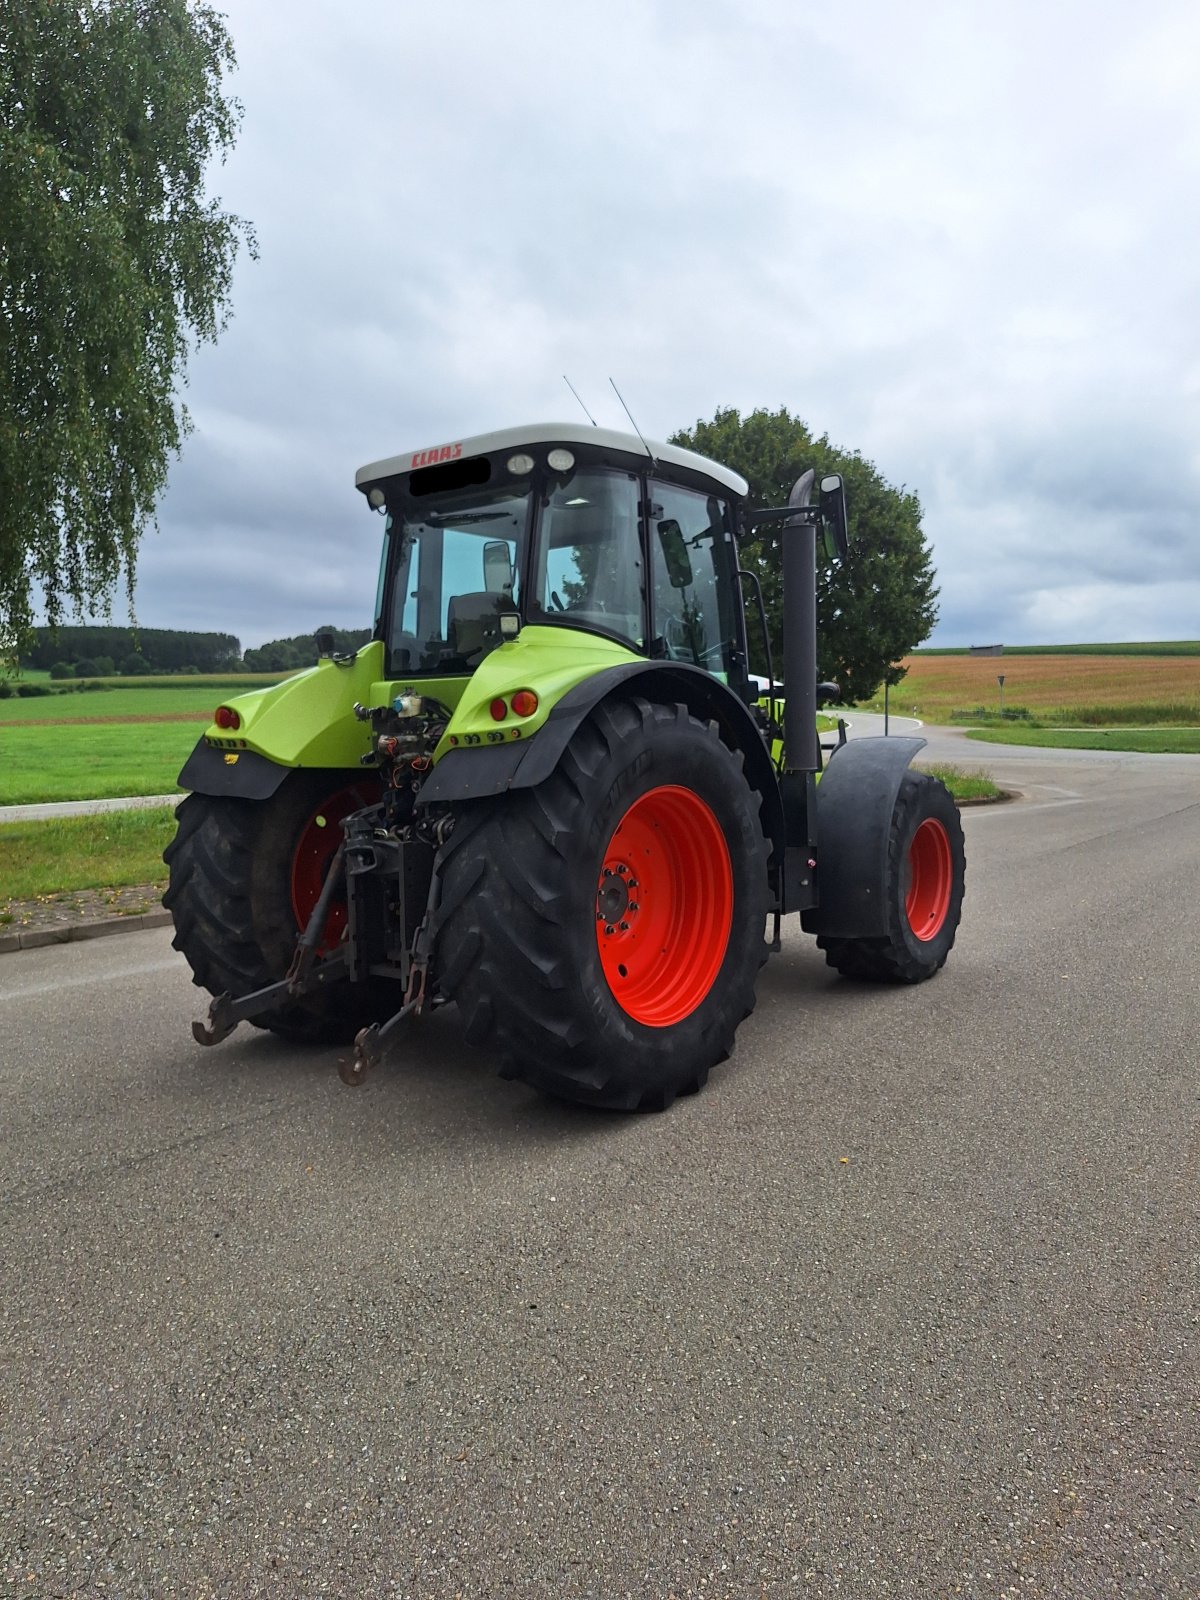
{"x":244,"y":878}
{"x":926,"y":875}
{"x":604,"y":930}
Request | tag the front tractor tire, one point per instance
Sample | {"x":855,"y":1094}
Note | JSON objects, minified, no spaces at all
{"x":244,"y":877}
{"x":604,"y":930}
{"x":923,"y":892}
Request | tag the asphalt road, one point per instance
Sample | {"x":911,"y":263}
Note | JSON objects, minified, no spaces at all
{"x":904,"y":1304}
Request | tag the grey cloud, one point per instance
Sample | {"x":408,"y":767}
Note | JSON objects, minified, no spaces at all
{"x":970,"y":260}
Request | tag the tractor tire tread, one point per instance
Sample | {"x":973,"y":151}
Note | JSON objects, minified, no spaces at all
{"x":509,"y":952}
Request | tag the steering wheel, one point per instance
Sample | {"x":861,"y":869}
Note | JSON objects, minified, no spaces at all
{"x":712,"y":657}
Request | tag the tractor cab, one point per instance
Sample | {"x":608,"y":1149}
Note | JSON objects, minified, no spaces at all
{"x":557,"y":526}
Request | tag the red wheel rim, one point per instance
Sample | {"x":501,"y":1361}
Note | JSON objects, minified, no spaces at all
{"x":930,"y":879}
{"x":664,"y":905}
{"x":318,"y":842}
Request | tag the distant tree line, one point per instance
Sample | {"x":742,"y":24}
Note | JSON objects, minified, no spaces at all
{"x":285,"y":655}
{"x":102,"y":651}
{"x":105,"y":652}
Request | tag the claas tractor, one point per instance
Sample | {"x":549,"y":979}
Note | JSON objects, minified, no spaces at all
{"x":549,"y":789}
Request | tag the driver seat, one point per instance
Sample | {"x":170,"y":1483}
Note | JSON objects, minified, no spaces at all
{"x":471,"y":621}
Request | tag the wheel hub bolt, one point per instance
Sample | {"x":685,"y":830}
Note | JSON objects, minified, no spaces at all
{"x":612,"y":900}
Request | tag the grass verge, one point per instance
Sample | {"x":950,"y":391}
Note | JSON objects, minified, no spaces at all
{"x":111,"y":850}
{"x":1148,"y":741}
{"x":964,"y":785}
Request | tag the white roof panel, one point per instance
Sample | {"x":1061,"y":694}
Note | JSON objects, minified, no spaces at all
{"x":542,"y":433}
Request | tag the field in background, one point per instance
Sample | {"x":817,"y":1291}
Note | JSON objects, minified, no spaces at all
{"x":118,"y":705}
{"x":1166,"y":647}
{"x":132,"y":738}
{"x":175,"y":681}
{"x":1055,"y":686}
{"x":107,"y":743}
{"x":97,"y":762}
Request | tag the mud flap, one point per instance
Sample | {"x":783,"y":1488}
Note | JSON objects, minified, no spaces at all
{"x":855,"y":801}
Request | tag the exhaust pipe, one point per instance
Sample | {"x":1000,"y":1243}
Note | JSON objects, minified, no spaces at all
{"x":800,"y":742}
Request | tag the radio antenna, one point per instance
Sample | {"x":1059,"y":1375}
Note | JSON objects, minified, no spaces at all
{"x":636,"y":429}
{"x":582,"y":407}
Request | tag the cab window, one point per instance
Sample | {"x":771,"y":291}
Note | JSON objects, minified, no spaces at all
{"x":690,"y":557}
{"x":590,"y":570}
{"x":456,"y":567}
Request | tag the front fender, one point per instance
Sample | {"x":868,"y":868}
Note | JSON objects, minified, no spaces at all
{"x":855,"y":801}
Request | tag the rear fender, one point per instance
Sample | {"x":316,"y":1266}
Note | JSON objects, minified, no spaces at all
{"x":855,"y":801}
{"x":478,"y":773}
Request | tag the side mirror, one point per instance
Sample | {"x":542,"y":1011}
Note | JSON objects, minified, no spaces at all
{"x":679,"y":568}
{"x":497,"y":567}
{"x":832,"y":502}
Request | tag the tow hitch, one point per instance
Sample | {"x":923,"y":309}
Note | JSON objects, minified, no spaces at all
{"x":371,"y":1043}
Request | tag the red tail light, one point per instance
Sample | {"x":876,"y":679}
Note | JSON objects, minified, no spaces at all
{"x":524,"y":703}
{"x":226,"y":717}
{"x":498,"y":709}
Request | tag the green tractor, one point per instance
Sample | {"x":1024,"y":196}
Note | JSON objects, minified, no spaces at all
{"x":549,"y":789}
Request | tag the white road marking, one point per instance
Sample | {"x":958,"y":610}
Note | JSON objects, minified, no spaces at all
{"x":30,"y":991}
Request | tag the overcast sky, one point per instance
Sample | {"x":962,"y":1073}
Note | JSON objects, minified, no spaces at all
{"x":960,"y":237}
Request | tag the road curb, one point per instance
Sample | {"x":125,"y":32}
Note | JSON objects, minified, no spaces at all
{"x":990,"y":799}
{"x":72,"y":932}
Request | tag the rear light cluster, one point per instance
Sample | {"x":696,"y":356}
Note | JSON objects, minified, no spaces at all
{"x":226,"y":717}
{"x":522,"y":704}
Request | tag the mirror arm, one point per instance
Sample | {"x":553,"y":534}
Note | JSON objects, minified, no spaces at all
{"x":751,"y":519}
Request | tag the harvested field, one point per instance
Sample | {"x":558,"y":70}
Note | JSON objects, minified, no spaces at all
{"x":1060,"y":688}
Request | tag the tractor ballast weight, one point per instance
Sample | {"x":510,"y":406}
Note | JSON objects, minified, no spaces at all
{"x":549,"y":789}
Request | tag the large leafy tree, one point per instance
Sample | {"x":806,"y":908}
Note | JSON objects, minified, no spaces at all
{"x":882,"y":602}
{"x":113,"y":260}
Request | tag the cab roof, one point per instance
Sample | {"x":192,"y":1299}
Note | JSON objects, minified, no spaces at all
{"x":536,"y":434}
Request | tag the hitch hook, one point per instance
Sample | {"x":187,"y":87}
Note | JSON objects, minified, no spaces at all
{"x":370,"y":1045}
{"x":220,"y":1024}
